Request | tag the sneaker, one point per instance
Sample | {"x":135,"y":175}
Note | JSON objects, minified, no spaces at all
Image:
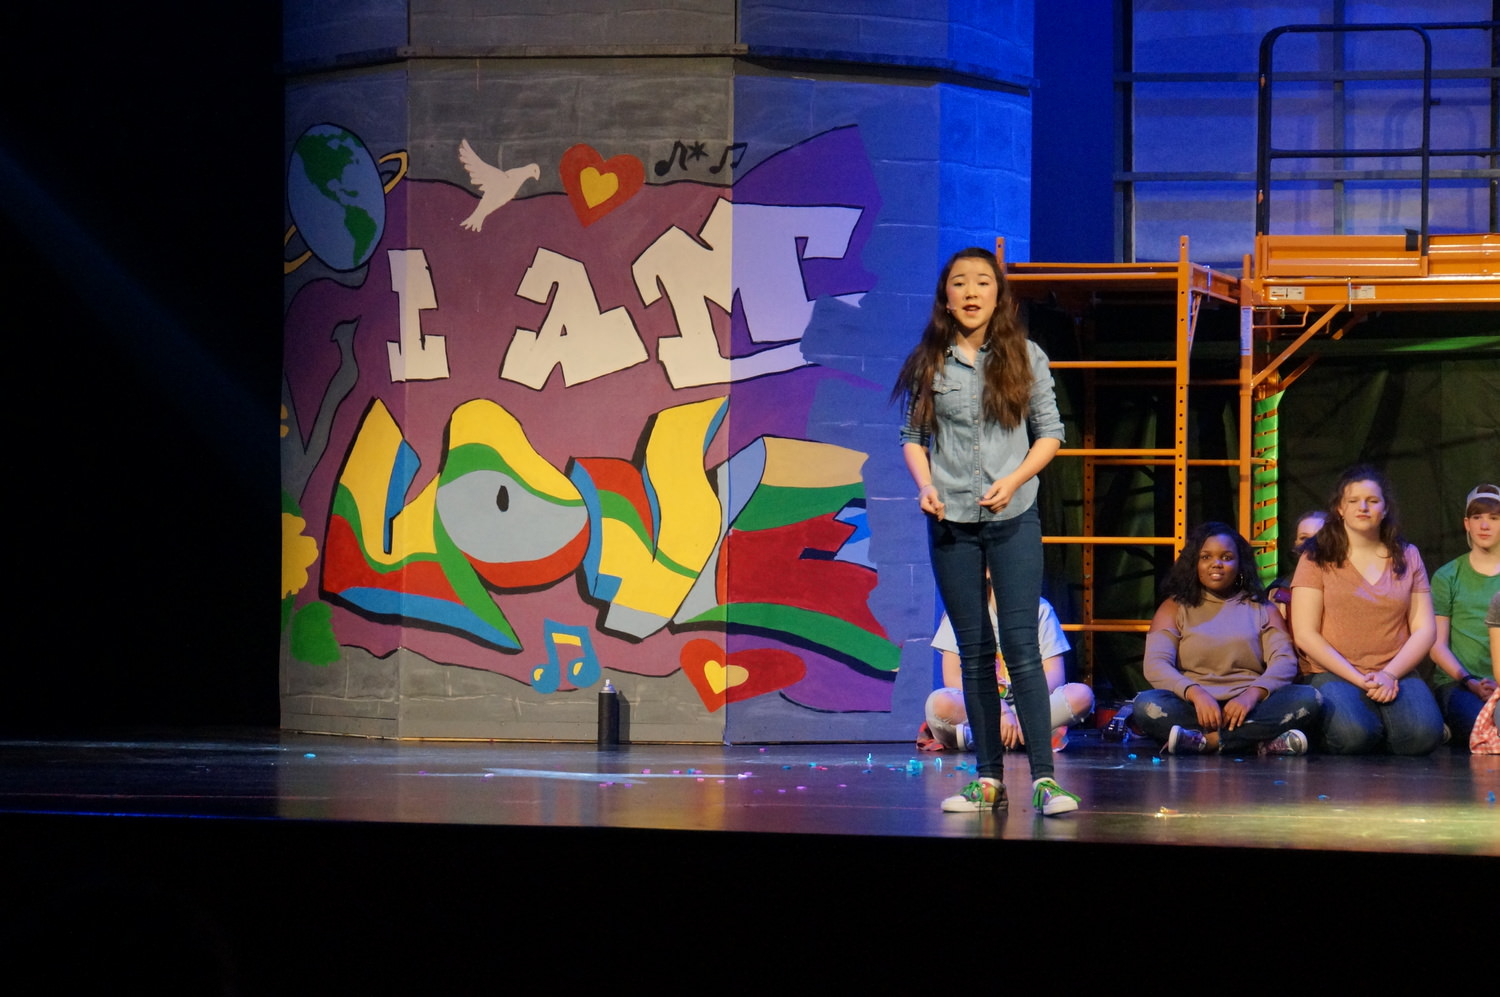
{"x":1059,"y":738}
{"x":977,"y":797}
{"x":1183,"y":741}
{"x":1049,"y":798}
{"x":1293,"y":742}
{"x":1118,"y":728}
{"x":964,"y":734}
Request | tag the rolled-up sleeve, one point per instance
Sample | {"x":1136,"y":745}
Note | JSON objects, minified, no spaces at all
{"x":910,"y":432}
{"x":1042,"y":414}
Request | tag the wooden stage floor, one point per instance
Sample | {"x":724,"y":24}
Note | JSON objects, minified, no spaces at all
{"x":393,"y":865}
{"x":1442,"y":804}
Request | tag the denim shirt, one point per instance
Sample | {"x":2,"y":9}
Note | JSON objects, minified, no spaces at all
{"x":969,"y":452}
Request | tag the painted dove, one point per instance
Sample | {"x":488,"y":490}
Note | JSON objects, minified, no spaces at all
{"x":497,"y":186}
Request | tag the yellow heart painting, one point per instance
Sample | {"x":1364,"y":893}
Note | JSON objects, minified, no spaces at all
{"x":721,"y":677}
{"x":597,"y":187}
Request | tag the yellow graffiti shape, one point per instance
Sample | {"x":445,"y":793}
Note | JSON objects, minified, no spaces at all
{"x":806,"y":464}
{"x":367,"y":476}
{"x":654,"y":582}
{"x":298,"y":552}
{"x":486,"y":423}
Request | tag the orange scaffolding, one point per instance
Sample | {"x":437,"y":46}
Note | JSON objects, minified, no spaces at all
{"x":1295,"y":288}
{"x":1299,"y":287}
{"x":1076,"y":287}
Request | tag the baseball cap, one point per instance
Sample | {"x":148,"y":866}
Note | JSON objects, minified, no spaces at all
{"x":1482,"y":491}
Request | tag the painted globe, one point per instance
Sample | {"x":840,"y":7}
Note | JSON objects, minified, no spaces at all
{"x":336,"y":196}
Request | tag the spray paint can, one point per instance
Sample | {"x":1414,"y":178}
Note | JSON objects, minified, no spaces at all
{"x":609,"y":716}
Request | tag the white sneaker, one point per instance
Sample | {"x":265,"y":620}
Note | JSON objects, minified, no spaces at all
{"x":978,"y":796}
{"x":1048,"y":798}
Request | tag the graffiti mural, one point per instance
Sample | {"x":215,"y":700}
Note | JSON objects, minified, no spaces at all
{"x":546,"y":426}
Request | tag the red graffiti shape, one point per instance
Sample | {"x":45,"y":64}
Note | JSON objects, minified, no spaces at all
{"x":727,"y":678}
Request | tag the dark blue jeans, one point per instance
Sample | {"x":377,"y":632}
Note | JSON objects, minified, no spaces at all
{"x":1354,"y":724}
{"x":1012,"y":550}
{"x":1460,"y":710}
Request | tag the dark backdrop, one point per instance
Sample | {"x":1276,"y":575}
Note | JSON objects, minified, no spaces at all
{"x":139,"y":150}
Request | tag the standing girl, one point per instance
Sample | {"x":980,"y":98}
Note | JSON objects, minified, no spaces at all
{"x":1362,"y":613}
{"x":973,"y":386}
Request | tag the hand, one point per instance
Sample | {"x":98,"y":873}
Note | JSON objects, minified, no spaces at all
{"x":1209,"y":716}
{"x":929,"y":501}
{"x":1381,"y":686}
{"x":1238,"y":708}
{"x":998,"y":495}
{"x":1010,"y":729}
{"x":1486,"y":687}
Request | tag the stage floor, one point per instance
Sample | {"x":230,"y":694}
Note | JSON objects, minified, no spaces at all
{"x":250,"y":862}
{"x":1443,"y":804}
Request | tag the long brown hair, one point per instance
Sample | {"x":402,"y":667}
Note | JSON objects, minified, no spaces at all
{"x":1007,"y":369}
{"x":1329,"y":548}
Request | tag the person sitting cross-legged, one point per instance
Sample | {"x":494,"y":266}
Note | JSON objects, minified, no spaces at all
{"x":1219,"y":658}
{"x":948,"y":721}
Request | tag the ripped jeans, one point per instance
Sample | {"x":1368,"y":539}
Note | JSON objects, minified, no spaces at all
{"x":1157,"y":711}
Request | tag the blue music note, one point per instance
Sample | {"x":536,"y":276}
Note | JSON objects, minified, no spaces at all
{"x":570,"y":653}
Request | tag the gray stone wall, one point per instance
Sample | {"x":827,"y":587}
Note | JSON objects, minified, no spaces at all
{"x":531,"y":110}
{"x":570,"y":23}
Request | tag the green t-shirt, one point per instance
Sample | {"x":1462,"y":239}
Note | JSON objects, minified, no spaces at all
{"x":1463,"y":595}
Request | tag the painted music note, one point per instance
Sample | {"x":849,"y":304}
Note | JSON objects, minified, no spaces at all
{"x":570,"y":654}
{"x":683,"y":154}
{"x":738,"y":149}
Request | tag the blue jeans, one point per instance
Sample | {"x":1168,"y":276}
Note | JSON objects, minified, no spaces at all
{"x":1354,"y":724}
{"x":1460,"y":709}
{"x":1157,"y":711}
{"x":1012,"y":550}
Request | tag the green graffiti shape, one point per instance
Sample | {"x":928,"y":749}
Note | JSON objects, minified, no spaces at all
{"x":313,"y":641}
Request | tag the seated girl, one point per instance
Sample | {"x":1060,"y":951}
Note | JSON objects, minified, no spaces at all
{"x":1279,"y":592}
{"x":1362,"y":614}
{"x":1070,"y":701}
{"x":1219,"y":659}
{"x":1461,"y":594}
{"x":1484,"y":739}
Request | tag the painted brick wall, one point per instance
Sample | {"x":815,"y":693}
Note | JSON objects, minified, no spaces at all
{"x":848,"y":182}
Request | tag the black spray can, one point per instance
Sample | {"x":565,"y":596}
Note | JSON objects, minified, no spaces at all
{"x":609,"y":716}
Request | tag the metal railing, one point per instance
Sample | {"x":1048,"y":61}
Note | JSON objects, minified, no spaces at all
{"x":1266,"y":152}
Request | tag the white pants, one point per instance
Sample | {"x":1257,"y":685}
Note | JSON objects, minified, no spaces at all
{"x":946,"y":713}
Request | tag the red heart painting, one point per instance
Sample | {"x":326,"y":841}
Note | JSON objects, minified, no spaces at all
{"x":721,"y":678}
{"x":597,"y":186}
